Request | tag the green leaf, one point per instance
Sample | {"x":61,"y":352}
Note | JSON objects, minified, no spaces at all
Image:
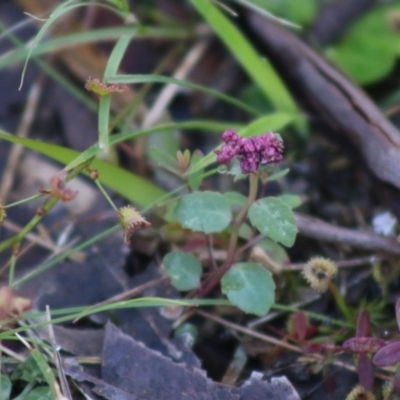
{"x":164,"y":160}
{"x":298,"y":12}
{"x":40,"y":393}
{"x":273,"y":121}
{"x":275,"y":251}
{"x":44,"y":368}
{"x":273,"y":218}
{"x":207,"y":212}
{"x":369,"y":49}
{"x":366,"y":61}
{"x":128,"y":185}
{"x":235,"y":199}
{"x":278,"y":175}
{"x":246,"y":232}
{"x":188,"y":331}
{"x":195,"y":178}
{"x":291,"y":200}
{"x":183,"y":269}
{"x":121,"y":4}
{"x":5,"y":387}
{"x":28,"y":371}
{"x":250,"y":287}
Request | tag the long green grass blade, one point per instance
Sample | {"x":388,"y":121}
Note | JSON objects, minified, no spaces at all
{"x":132,"y":79}
{"x":75,"y":312}
{"x":45,"y":369}
{"x":131,"y":186}
{"x":105,"y":101}
{"x":259,"y":70}
{"x":59,"y":11}
{"x":103,"y":121}
{"x":116,"y":55}
{"x":94,"y":35}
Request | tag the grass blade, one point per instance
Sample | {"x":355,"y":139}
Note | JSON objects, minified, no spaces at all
{"x":131,"y":79}
{"x":259,"y":70}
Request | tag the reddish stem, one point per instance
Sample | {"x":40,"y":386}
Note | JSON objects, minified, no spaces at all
{"x":214,"y":279}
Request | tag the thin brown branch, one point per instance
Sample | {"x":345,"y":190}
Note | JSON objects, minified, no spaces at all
{"x":317,"y":229}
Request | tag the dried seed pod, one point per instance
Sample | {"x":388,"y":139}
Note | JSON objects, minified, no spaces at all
{"x":318,"y":272}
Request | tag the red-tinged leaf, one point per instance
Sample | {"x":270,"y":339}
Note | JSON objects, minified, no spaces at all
{"x":301,"y":324}
{"x":312,"y":330}
{"x":363,"y":344}
{"x":365,"y":371}
{"x":314,"y":348}
{"x":397,"y":308}
{"x":363,"y":324}
{"x":387,"y":355}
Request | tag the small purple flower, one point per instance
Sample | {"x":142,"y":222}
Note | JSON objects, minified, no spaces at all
{"x":252,"y":152}
{"x":248,"y":165}
{"x":230,"y":136}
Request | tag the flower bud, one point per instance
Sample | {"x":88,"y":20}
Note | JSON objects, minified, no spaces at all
{"x":58,"y":189}
{"x":101,"y":89}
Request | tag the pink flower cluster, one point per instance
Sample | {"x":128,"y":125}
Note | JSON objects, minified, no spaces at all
{"x":252,"y":152}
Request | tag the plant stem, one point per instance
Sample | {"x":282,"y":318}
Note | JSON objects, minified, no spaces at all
{"x":12,"y":269}
{"x":214,"y":279}
{"x":17,"y":203}
{"x":340,"y":302}
{"x":105,"y":194}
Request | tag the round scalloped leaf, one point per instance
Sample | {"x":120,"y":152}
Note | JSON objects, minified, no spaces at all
{"x":366,"y":60}
{"x":370,"y":47}
{"x":274,"y":219}
{"x":183,"y":269}
{"x":235,"y":199}
{"x":275,"y":251}
{"x":291,"y":200}
{"x":207,"y":212}
{"x":250,"y":287}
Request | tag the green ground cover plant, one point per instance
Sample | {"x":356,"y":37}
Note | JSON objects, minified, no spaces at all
{"x":249,"y":153}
